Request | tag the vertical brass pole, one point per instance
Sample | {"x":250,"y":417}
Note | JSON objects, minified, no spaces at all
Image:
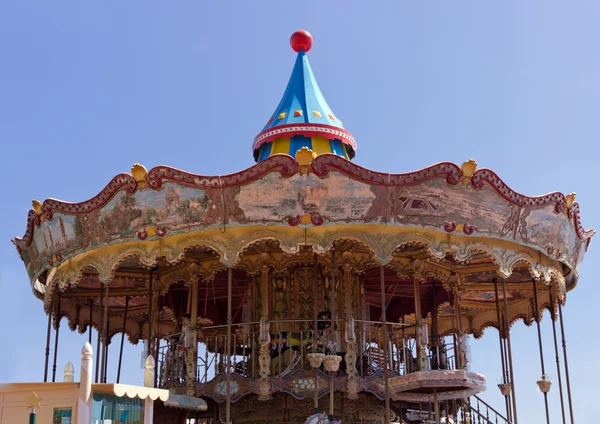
{"x":457,"y":311}
{"x":436,"y":407}
{"x":104,"y":335}
{"x":558,"y":373}
{"x":229,"y":319}
{"x":150,"y":314}
{"x":539,"y":331}
{"x":123,"y":339}
{"x":91,"y":316}
{"x":56,"y":339}
{"x":99,"y":335}
{"x":502,"y":358}
{"x":315,"y":332}
{"x":107,"y":343}
{"x":332,"y":332}
{"x":194,"y":321}
{"x":564,"y":345}
{"x":510,"y":362}
{"x":385,"y":345}
{"x":418,"y":318}
{"x":48,"y":344}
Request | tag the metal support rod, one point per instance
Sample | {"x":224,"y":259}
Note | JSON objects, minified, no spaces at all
{"x":385,"y":344}
{"x":156,"y":352}
{"x":228,"y":350}
{"x":315,"y":326}
{"x":104,"y":335}
{"x":502,"y":358}
{"x":57,"y":315}
{"x":434,"y":326}
{"x":123,"y":339}
{"x":91,"y":316}
{"x":331,"y":391}
{"x":564,"y":345}
{"x":558,"y":373}
{"x":459,"y":353}
{"x":539,"y":331}
{"x":105,"y":357}
{"x":48,"y":344}
{"x":508,"y":378}
{"x":150,"y":313}
{"x":436,"y":406}
{"x":97,"y":374}
{"x":332,"y":333}
{"x":418,"y":317}
{"x":510,"y":362}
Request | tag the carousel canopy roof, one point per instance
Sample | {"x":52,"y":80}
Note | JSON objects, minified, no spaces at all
{"x":445,"y":224}
{"x":303,"y":118}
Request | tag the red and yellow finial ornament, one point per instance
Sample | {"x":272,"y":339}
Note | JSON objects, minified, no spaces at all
{"x":301,"y":40}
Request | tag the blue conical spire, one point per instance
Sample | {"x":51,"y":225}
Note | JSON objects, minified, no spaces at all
{"x":303,"y":114}
{"x":302,"y":102}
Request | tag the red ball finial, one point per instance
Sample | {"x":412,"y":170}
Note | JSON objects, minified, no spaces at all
{"x":301,"y":40}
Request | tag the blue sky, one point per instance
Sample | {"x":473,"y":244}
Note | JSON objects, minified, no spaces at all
{"x":86,"y":90}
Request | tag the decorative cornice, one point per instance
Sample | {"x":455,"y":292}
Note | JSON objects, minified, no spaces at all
{"x":285,"y":164}
{"x":308,"y":130}
{"x":287,"y":167}
{"x":326,"y":162}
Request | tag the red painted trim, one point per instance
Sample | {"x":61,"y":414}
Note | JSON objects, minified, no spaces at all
{"x":285,"y":164}
{"x":307,"y":130}
{"x":487,"y":176}
{"x":326,"y":162}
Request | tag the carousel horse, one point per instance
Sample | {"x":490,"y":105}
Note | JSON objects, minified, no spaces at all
{"x":285,"y":340}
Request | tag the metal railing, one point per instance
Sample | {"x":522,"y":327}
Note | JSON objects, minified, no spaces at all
{"x":472,"y":411}
{"x":291,"y":341}
{"x":483,"y":413}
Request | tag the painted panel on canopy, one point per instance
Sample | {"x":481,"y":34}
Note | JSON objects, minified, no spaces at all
{"x":62,"y":233}
{"x":174,"y":206}
{"x":436,"y":203}
{"x":273,"y":198}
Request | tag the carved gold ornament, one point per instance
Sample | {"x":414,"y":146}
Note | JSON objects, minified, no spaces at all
{"x":140,"y":173}
{"x":304,"y":157}
{"x":468,"y":168}
{"x":570,"y":199}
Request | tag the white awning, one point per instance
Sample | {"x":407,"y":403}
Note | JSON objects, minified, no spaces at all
{"x":140,"y":392}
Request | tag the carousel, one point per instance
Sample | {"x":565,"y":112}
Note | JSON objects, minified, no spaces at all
{"x":307,"y":288}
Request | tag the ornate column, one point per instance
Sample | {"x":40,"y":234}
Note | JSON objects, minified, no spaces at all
{"x":421,"y":330}
{"x":264,"y":361}
{"x":350,"y":358}
{"x":350,"y":335}
{"x":461,"y":354}
{"x":264,"y":356}
{"x":191,"y":332}
{"x":385,"y":343}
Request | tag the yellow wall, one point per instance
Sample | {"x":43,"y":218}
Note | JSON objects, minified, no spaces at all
{"x":13,"y":401}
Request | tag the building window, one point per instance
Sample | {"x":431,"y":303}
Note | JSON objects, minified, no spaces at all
{"x":109,"y":409}
{"x":61,"y":416}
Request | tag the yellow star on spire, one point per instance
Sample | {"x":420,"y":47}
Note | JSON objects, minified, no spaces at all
{"x":33,"y":401}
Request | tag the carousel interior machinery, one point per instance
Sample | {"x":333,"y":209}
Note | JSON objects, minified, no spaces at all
{"x":307,"y":284}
